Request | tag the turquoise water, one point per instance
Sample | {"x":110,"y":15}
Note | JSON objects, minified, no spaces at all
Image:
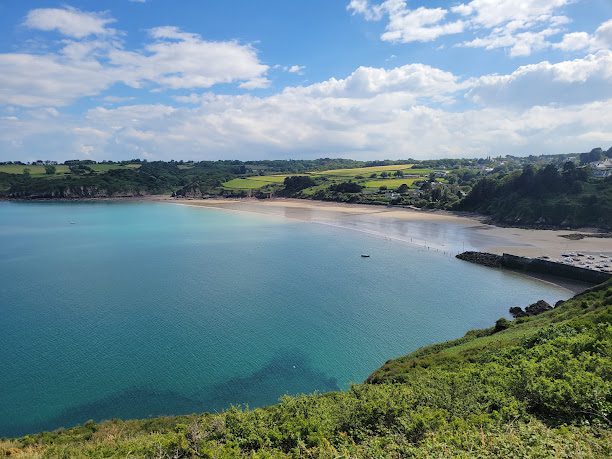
{"x":142,"y":309}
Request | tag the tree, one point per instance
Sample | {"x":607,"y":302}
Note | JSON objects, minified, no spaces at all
{"x":501,"y":324}
{"x":402,"y":188}
{"x":298,"y":183}
{"x":50,"y":169}
{"x":347,"y":187}
{"x":26,"y":171}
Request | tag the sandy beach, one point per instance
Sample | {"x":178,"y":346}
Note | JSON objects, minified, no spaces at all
{"x":443,"y":231}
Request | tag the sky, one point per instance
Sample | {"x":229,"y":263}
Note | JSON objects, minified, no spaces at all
{"x":279,"y":79}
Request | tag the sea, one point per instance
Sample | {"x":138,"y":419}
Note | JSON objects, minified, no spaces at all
{"x":139,"y":309}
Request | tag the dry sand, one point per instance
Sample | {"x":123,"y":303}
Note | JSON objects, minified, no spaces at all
{"x":443,"y":231}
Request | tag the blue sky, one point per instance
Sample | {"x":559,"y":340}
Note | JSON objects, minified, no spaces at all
{"x":163,"y":79}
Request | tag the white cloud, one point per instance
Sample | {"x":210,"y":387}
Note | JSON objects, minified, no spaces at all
{"x":180,"y":60}
{"x":413,"y":81}
{"x":406,"y":25}
{"x":520,"y":44}
{"x":69,"y":21}
{"x":511,"y":13}
{"x":576,"y":41}
{"x":372,"y":113}
{"x":421,"y":24}
{"x":523,"y":27}
{"x":363,"y":7}
{"x":299,"y":69}
{"x":34,"y":80}
{"x":296,"y":69}
{"x":86,"y":66}
{"x":570,"y":82}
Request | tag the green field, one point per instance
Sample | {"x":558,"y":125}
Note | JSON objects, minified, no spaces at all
{"x":34,"y":170}
{"x":61,"y":169}
{"x":255,"y":182}
{"x":364,"y":171}
{"x":337,"y":175}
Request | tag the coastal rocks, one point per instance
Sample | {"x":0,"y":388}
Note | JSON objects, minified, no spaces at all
{"x":75,"y":192}
{"x":517,"y":312}
{"x":538,"y":308}
{"x":579,"y":236}
{"x":482,"y":258}
{"x":532,"y":310}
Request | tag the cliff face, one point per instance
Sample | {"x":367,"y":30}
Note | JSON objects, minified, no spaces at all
{"x":73,"y":192}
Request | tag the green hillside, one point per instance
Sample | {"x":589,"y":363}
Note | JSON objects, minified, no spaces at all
{"x":544,"y":197}
{"x":536,"y":387}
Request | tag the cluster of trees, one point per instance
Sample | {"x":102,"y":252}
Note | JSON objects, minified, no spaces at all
{"x":297,"y":183}
{"x":533,"y":387}
{"x":543,"y":196}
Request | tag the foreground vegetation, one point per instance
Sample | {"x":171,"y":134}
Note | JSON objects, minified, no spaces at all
{"x":535,"y":387}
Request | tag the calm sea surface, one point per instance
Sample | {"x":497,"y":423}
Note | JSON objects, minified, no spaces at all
{"x":142,"y":309}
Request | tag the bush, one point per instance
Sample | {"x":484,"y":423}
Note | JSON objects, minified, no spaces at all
{"x":501,"y":324}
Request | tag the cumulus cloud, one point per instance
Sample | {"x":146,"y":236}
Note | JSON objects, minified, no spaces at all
{"x":407,"y":111}
{"x":35,"y":80}
{"x":413,"y":81}
{"x":577,"y":41}
{"x":406,"y":25}
{"x":92,"y":59}
{"x":181,"y":60}
{"x":570,"y":82}
{"x":509,"y":13}
{"x":69,"y":21}
{"x":520,"y":44}
{"x":522,"y":27}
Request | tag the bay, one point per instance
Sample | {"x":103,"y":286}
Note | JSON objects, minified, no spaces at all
{"x":137,"y":309}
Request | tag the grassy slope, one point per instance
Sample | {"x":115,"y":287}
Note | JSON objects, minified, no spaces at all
{"x":539,"y":388}
{"x":336,"y":176}
{"x":254,"y":182}
{"x":365,"y":171}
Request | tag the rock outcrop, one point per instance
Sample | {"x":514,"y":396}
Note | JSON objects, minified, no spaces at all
{"x":482,"y":258}
{"x":532,"y":310}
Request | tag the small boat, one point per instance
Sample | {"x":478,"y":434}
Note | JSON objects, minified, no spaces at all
{"x":73,"y":223}
{"x":365,"y":255}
